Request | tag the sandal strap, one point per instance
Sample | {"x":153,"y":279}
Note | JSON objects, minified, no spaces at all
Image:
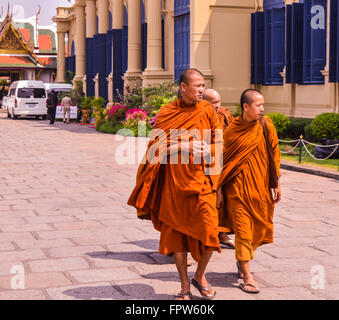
{"x":183,"y":295}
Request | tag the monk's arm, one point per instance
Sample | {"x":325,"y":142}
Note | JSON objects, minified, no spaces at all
{"x":276,"y":154}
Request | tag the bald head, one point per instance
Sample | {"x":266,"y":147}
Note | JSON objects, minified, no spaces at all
{"x":213,"y":97}
{"x":188,"y":74}
{"x":192,"y":86}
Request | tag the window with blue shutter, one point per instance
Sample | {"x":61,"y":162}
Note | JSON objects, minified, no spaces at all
{"x":334,"y":42}
{"x":89,"y":67}
{"x":294,"y":43}
{"x":258,"y":48}
{"x":314,"y":57}
{"x":143,"y":36}
{"x":268,"y":46}
{"x":181,"y":36}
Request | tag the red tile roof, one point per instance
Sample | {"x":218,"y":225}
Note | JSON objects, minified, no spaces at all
{"x":14,"y":61}
{"x":45,"y":42}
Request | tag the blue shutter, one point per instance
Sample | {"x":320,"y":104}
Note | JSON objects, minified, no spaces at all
{"x":181,"y":36}
{"x":143,"y":36}
{"x":124,"y":46}
{"x":314,"y":46}
{"x":288,"y":43}
{"x":258,"y":48}
{"x":118,"y":83}
{"x":101,"y":56}
{"x":297,"y":43}
{"x":89,"y":67}
{"x":268,"y":47}
{"x":278,"y":45}
{"x":334,"y":42}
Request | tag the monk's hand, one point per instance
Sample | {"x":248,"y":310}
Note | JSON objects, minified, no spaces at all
{"x":200,"y":148}
{"x":277,"y":193}
{"x":220,"y":199}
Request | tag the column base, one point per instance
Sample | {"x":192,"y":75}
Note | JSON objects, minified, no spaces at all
{"x":151,"y":77}
{"x":130,"y":78}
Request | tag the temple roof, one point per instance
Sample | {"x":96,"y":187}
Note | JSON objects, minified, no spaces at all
{"x":27,"y":44}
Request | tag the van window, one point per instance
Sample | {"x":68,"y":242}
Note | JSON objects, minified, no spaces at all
{"x":12,"y":92}
{"x":29,"y":92}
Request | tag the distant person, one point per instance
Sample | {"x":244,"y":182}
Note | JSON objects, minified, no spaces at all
{"x":52,"y":105}
{"x":66,"y":108}
{"x":225,"y":118}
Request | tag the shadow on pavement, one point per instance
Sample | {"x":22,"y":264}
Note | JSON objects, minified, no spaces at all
{"x":132,"y":256}
{"x":116,"y":292}
{"x":150,"y":244}
{"x":223,"y":280}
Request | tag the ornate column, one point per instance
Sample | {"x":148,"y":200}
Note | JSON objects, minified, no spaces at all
{"x":118,"y":14}
{"x":154,"y":72}
{"x":62,"y":21}
{"x":61,"y":63}
{"x":134,"y":41}
{"x":80,"y":40}
{"x":154,"y":36}
{"x":91,"y":18}
{"x":200,"y":38}
{"x":103,"y":15}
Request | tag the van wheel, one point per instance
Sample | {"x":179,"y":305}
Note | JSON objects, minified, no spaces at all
{"x":14,"y":117}
{"x":44,"y":117}
{"x":8,"y":115}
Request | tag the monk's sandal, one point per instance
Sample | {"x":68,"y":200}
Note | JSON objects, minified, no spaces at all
{"x":184,"y":295}
{"x":200,"y":288}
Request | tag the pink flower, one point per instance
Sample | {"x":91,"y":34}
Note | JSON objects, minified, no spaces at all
{"x":136,"y":114}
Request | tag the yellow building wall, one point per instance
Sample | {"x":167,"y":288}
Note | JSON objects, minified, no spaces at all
{"x":230,"y":48}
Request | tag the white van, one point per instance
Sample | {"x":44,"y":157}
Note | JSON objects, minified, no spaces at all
{"x":58,"y":87}
{"x":27,"y":98}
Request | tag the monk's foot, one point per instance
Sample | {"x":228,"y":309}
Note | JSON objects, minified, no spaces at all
{"x":249,"y":285}
{"x":184,"y":296}
{"x":205,"y":289}
{"x":185,"y":293}
{"x":225,"y":240}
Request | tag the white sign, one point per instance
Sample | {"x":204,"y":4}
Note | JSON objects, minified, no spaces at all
{"x":73,"y":114}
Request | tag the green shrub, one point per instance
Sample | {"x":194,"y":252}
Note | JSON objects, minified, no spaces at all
{"x":280,"y":121}
{"x":326,"y":125}
{"x":296,"y":128}
{"x":106,"y":127}
{"x":238,"y":111}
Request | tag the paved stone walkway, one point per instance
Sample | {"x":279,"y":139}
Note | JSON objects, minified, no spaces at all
{"x":65,"y":228}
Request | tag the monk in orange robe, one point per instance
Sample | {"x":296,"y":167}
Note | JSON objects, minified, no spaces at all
{"x":249,"y":186}
{"x":179,"y":196}
{"x":225,"y":118}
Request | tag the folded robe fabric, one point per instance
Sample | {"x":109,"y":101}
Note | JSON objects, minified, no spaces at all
{"x":180,"y":195}
{"x":248,"y":210}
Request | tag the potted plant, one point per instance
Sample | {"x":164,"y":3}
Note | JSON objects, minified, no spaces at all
{"x":86,"y":108}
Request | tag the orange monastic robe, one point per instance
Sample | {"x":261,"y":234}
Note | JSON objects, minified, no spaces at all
{"x":225,"y":117}
{"x":180,"y":199}
{"x":244,"y":181}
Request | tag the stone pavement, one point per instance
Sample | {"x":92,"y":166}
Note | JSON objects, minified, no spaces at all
{"x":67,"y":233}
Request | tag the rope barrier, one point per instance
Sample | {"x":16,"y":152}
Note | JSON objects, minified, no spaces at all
{"x":302,"y":143}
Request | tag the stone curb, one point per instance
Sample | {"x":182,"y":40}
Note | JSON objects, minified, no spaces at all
{"x":326,"y":174}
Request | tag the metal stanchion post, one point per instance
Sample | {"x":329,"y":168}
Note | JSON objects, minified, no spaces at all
{"x":300,"y":148}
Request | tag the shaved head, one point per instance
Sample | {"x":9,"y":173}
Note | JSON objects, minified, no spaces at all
{"x":192,"y":86}
{"x":186,"y":76}
{"x":213,"y":97}
{"x":248,"y":97}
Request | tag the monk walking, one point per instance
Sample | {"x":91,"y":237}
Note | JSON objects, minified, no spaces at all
{"x":225,"y":118}
{"x":178,"y":196}
{"x":249,"y":184}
